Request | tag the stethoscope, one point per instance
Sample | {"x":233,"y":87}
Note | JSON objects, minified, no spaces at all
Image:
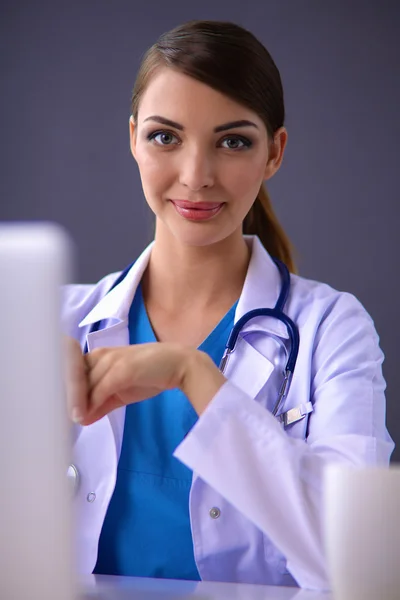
{"x":285,"y":418}
{"x":276,"y":313}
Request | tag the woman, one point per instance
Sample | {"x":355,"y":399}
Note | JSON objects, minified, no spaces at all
{"x":184,"y":470}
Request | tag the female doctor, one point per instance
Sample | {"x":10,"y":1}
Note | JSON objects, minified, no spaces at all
{"x":183,"y":469}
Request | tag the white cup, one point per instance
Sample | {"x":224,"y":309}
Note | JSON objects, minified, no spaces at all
{"x":362,"y":531}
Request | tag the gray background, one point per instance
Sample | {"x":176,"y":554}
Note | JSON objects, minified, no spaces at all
{"x":67,"y":70}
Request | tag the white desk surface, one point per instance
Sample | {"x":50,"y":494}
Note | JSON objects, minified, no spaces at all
{"x":138,"y":588}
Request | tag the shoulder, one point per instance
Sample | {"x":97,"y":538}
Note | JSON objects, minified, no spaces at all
{"x":309,"y":302}
{"x":337,"y":333}
{"x":318,"y":307}
{"x":77,"y":300}
{"x":308,"y":294}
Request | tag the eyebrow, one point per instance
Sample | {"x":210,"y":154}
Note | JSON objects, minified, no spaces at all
{"x":224,"y":127}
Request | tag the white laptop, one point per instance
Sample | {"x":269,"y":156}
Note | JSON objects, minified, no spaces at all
{"x":36,"y":551}
{"x":35,"y":520}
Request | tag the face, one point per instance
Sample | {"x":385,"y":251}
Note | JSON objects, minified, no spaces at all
{"x":202,"y":158}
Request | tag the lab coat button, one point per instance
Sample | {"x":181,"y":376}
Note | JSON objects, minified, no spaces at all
{"x":215,"y":513}
{"x":91,"y":497}
{"x":73,"y":478}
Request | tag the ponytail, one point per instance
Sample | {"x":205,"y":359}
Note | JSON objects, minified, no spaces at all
{"x":262,"y":222}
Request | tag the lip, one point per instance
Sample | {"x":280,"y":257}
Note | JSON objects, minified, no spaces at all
{"x":196,"y":205}
{"x":197,"y":211}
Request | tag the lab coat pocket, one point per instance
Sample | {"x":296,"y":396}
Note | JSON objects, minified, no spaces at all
{"x":248,"y":368}
{"x":274,"y":352}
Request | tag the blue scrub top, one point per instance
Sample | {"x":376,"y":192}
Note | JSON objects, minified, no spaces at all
{"x":146,"y":531}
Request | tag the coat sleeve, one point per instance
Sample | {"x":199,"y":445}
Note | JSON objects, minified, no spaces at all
{"x":240,"y":450}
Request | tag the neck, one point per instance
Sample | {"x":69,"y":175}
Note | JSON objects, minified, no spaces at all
{"x":185,"y":278}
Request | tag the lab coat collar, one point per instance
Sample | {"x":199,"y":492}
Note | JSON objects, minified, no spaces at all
{"x":261,"y":290}
{"x":115,"y":305}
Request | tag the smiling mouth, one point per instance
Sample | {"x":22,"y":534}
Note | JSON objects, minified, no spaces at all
{"x":197,"y":211}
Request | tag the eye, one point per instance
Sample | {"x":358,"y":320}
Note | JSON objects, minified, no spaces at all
{"x":236,"y":142}
{"x":163,"y":138}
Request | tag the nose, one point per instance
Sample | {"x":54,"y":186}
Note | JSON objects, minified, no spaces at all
{"x":196,"y":170}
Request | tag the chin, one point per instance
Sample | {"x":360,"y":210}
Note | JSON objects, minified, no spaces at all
{"x":202,"y":237}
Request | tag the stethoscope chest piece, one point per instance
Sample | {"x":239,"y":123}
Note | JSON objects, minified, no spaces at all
{"x":73,"y":478}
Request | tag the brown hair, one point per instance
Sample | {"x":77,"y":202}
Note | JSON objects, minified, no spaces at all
{"x":231,"y":60}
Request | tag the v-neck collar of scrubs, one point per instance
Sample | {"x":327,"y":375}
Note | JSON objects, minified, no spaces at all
{"x":138,"y":316}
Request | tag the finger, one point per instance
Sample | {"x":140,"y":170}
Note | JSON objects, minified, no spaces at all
{"x":98,"y":362}
{"x":75,"y":380}
{"x":107,"y":379}
{"x":98,"y":413}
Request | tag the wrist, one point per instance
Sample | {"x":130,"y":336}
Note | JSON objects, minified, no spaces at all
{"x":201,"y":379}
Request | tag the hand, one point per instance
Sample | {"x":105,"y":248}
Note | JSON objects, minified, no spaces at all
{"x":118,"y":376}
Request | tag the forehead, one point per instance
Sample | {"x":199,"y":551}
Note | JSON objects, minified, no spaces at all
{"x":179,"y":97}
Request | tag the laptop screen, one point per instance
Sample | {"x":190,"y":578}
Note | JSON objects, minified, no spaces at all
{"x":35,"y":521}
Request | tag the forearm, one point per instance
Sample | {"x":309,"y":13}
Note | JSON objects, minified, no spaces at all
{"x":201,"y":380}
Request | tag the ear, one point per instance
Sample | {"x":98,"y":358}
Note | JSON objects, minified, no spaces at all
{"x":132,"y":136}
{"x":276,"y":151}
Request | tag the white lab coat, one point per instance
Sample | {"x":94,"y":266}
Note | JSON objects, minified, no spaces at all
{"x":265,"y":481}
